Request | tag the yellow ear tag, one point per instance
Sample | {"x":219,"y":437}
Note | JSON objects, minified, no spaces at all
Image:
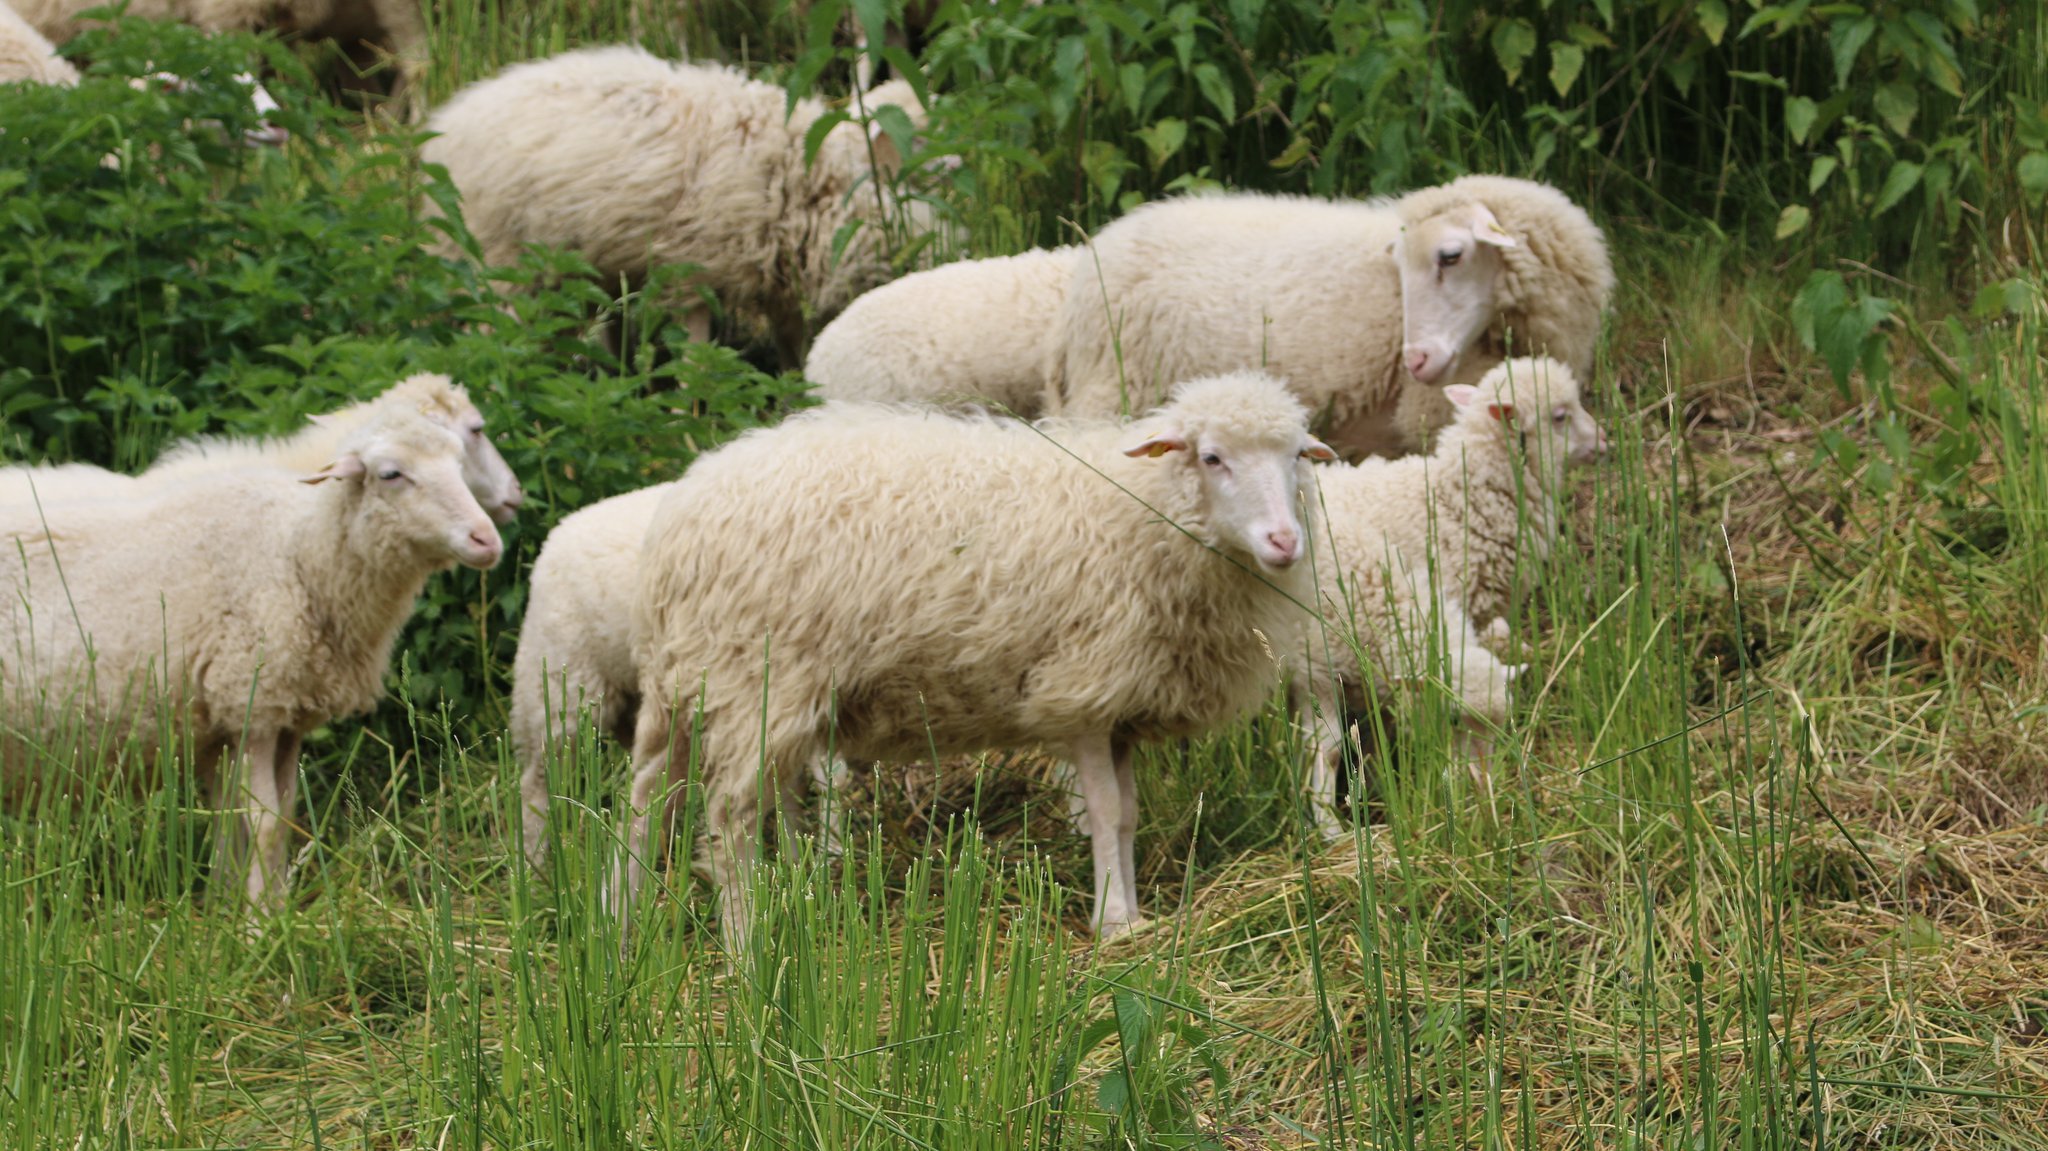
{"x":1158,"y":450}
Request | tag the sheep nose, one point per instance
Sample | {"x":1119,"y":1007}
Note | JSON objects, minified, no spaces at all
{"x":1420,"y":365}
{"x":1284,"y":545}
{"x":268,"y":136}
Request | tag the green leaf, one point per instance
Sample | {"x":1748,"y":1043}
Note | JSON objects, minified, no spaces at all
{"x":2033,"y":174}
{"x":1800,"y":114}
{"x":1296,"y":151}
{"x":1211,"y":81}
{"x":1713,"y":18}
{"x":1903,"y":178}
{"x":1131,"y":78}
{"x":1606,"y":10}
{"x":1792,"y":221}
{"x":1823,"y":167}
{"x":815,"y":136}
{"x":1897,"y":104}
{"x":1514,"y":41}
{"x":1163,"y":139}
{"x":1764,"y":78}
{"x":1846,"y":37}
{"x":1105,"y":165}
{"x":1587,"y":36}
{"x":1682,"y":70}
{"x":1565,"y":62}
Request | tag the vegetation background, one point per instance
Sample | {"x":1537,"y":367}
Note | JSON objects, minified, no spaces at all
{"x":1763,"y":861}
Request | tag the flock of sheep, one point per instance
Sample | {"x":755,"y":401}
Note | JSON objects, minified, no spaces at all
{"x":1087,"y":498}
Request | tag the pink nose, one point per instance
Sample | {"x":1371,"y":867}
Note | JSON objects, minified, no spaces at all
{"x":1419,"y":364}
{"x":1283,"y":545}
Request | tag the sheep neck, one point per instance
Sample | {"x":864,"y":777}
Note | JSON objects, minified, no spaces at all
{"x":1479,"y":493}
{"x":356,"y":594}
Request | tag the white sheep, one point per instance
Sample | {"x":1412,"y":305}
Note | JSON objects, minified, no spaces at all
{"x":970,"y":330}
{"x":576,"y":642}
{"x":1466,"y":523}
{"x":889,"y":582}
{"x":26,"y":56}
{"x":1309,"y":290}
{"x":440,"y":398}
{"x":635,"y":162}
{"x":248,"y":607}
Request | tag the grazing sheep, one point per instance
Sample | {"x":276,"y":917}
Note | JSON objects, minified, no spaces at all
{"x":576,"y":641}
{"x":893,"y":582}
{"x":635,"y":162}
{"x":440,"y":398}
{"x":25,"y":56}
{"x":972,"y":330}
{"x":249,"y":606}
{"x":1308,"y":290}
{"x":1481,"y":510}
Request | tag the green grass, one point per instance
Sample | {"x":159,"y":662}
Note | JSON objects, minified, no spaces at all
{"x":1758,"y":862}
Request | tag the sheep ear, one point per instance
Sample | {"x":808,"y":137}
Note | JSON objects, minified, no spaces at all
{"x":347,"y":467}
{"x":1159,"y":445}
{"x":1461,"y":395}
{"x":1487,"y":230}
{"x":1501,"y":412}
{"x":1318,"y":451}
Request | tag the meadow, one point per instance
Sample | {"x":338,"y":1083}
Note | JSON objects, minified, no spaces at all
{"x":1762,"y":860}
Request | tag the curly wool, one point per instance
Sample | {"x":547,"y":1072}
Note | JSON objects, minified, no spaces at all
{"x":975,"y":330}
{"x":635,"y":162}
{"x":576,"y":642}
{"x":1308,"y":290}
{"x":906,"y":579}
{"x":305,"y":451}
{"x":257,"y":601}
{"x":25,"y":56}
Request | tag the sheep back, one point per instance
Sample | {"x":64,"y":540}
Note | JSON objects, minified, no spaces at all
{"x":971,"y":330}
{"x":1302,"y":288}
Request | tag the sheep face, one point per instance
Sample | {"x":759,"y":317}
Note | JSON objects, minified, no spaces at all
{"x":489,"y":477}
{"x":1252,"y":490}
{"x":413,"y":493}
{"x":264,"y":135}
{"x":1450,"y":276}
{"x":1540,"y":399}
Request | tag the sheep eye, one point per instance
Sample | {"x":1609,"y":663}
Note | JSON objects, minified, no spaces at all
{"x":1560,"y":416}
{"x":476,"y":429}
{"x":1449,"y":257}
{"x":1212,"y":459}
{"x":389,"y":474}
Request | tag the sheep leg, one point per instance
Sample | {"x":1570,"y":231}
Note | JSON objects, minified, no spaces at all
{"x":1095,"y":766}
{"x":1326,"y":729}
{"x":732,"y":818}
{"x":272,"y":763}
{"x":1127,"y":825}
{"x":649,"y":778}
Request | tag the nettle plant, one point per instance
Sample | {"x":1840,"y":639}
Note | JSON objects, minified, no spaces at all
{"x":1082,"y":111}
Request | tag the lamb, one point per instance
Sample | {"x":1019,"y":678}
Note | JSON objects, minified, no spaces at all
{"x":1483,"y":508}
{"x":913,"y":582}
{"x":440,"y":398}
{"x":635,"y":162}
{"x":975,"y":329}
{"x":1308,"y":289}
{"x":25,"y":56}
{"x":576,"y":642}
{"x":249,"y":606}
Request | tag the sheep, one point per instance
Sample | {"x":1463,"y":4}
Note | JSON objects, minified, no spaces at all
{"x":1308,"y":290}
{"x":975,"y":329}
{"x":1482,"y":510}
{"x":248,"y":606}
{"x":635,"y":162}
{"x":575,"y":643}
{"x":25,"y":56}
{"x":897,"y":581}
{"x":440,"y":398}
